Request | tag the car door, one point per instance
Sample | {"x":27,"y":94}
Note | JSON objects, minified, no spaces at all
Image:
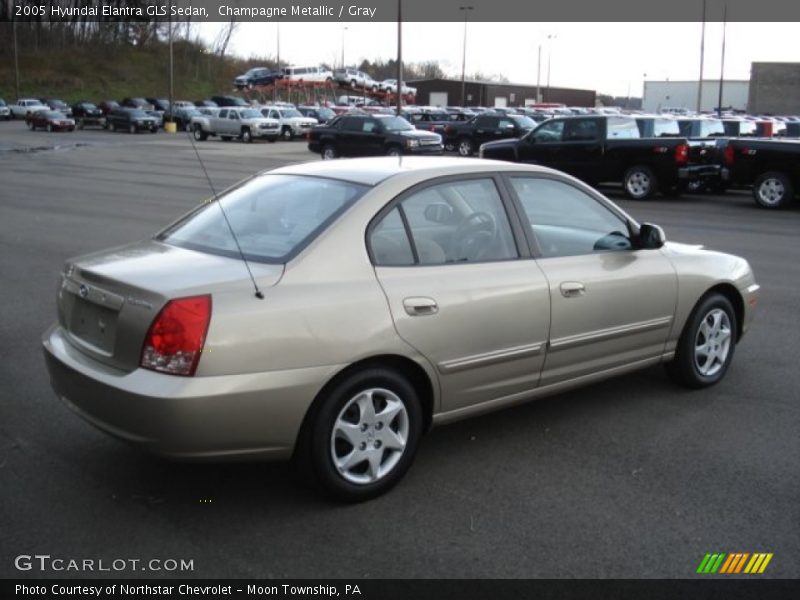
{"x":611,"y":305}
{"x":581,"y":148}
{"x":349,"y":134}
{"x":372,"y":137}
{"x":232,"y":125}
{"x":542,"y":146}
{"x":461,"y":289}
{"x":486,"y":129}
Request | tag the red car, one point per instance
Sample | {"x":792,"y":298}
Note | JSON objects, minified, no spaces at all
{"x":52,"y":120}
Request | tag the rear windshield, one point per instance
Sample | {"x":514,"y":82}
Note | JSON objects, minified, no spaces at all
{"x":396,"y":124}
{"x":273,"y":216}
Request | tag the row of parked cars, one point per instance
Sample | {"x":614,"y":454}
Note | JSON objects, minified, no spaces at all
{"x":349,"y":76}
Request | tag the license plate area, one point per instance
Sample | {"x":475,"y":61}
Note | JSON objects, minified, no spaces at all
{"x":94,"y":325}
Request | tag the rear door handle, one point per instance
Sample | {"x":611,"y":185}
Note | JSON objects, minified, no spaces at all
{"x":420,"y":306}
{"x":572,"y":289}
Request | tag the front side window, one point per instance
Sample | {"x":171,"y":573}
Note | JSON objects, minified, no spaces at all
{"x":581,"y":130}
{"x":550,"y":131}
{"x":453,"y":222}
{"x":273,"y":217}
{"x":567,"y":221}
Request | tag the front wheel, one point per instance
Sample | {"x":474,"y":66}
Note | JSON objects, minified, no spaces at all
{"x":773,"y":190}
{"x":287,"y":134}
{"x":199,"y":134}
{"x":31,"y":126}
{"x":132,"y":129}
{"x":394,"y":151}
{"x":363,"y":434}
{"x":247,"y":137}
{"x":705,"y":348}
{"x":639,"y":183}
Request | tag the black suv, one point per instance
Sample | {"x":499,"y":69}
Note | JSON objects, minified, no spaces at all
{"x":139,"y":103}
{"x":86,"y":113}
{"x":257,"y":76}
{"x":132,"y":120}
{"x":371,"y":135}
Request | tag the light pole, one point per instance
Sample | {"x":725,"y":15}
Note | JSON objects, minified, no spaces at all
{"x":16,"y":59}
{"x":722,"y":61}
{"x":343,"y":30}
{"x":539,"y":76}
{"x":399,"y":56}
{"x":552,"y":36}
{"x":171,"y":71}
{"x":702,"y":58}
{"x":466,"y":10}
{"x":644,"y":88}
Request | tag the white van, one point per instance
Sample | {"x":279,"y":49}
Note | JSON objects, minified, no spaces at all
{"x":320,"y":74}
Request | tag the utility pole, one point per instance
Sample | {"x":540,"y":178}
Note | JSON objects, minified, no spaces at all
{"x":343,"y":30}
{"x":466,"y":10}
{"x":278,"y":52}
{"x":171,"y":70}
{"x":552,"y":36}
{"x":16,"y":59}
{"x":722,"y":62}
{"x":539,"y":76}
{"x":399,"y":56}
{"x":702,"y":57}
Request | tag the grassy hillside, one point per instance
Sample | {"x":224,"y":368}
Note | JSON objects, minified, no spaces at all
{"x":116,"y":72}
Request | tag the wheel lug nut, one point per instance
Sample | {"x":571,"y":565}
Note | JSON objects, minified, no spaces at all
{"x":377,"y":443}
{"x":362,"y":446}
{"x":364,"y":427}
{"x":379,"y":425}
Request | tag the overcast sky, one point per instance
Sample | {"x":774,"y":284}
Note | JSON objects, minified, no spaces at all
{"x":607,"y":57}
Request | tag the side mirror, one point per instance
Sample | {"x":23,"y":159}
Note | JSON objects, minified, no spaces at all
{"x":651,"y":236}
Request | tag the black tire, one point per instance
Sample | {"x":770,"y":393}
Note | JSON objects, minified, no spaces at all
{"x":247,"y":136}
{"x":449,"y":147}
{"x":394,"y":150}
{"x":773,"y":189}
{"x":31,"y":126}
{"x":113,"y":127}
{"x":287,"y":134}
{"x":687,"y":366}
{"x":639,"y":183}
{"x":272,"y":140}
{"x":199,"y":134}
{"x":465,"y":147}
{"x":329,"y":152}
{"x":317,"y":449}
{"x":154,"y":130}
{"x":225,"y":138}
{"x":131,"y":128}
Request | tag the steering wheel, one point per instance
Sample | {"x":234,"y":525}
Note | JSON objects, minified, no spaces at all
{"x":474,"y":237}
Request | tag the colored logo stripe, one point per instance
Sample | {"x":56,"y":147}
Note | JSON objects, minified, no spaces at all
{"x":734,"y":563}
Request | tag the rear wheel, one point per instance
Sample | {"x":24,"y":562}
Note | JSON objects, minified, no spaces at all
{"x":362,"y":434}
{"x":287,"y":133}
{"x":465,"y":147}
{"x":199,"y":134}
{"x":113,"y":127}
{"x":247,"y":137}
{"x":773,"y":190}
{"x":132,"y":128}
{"x":639,"y":183}
{"x":705,"y":348}
{"x":394,"y":151}
{"x":329,"y":152}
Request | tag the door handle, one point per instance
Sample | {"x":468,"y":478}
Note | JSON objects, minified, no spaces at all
{"x":420,"y":306}
{"x":572,"y":289}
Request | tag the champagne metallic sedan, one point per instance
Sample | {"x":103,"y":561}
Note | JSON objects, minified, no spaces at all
{"x":334,"y":311}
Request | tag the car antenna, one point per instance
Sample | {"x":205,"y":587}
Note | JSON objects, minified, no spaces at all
{"x":259,"y":294}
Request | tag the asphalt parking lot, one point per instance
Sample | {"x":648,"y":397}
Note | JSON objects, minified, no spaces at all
{"x":633,"y":477}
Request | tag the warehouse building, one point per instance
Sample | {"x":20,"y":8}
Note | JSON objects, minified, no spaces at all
{"x":661,"y":95}
{"x":774,"y":88}
{"x":447,"y":92}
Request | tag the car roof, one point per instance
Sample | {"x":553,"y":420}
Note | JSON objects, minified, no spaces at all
{"x":372,"y":171}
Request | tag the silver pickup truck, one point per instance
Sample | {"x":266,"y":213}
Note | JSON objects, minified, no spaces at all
{"x":245,"y":124}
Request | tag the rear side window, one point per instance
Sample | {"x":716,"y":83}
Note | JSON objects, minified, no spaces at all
{"x":581,"y":130}
{"x":665,"y":128}
{"x":273,"y":216}
{"x":353,"y":124}
{"x":622,"y":128}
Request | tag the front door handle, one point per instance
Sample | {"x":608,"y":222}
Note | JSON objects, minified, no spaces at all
{"x":572,"y":289}
{"x":420,"y":306}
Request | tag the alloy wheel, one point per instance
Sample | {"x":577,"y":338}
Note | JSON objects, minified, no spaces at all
{"x":712,"y":342}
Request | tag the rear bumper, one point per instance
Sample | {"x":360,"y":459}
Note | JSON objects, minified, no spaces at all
{"x":251,"y":416}
{"x":699,"y":172}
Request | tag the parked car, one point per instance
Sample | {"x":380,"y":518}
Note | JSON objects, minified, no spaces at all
{"x":159,"y":104}
{"x":467,"y":137}
{"x":299,"y":73}
{"x":435,"y":120}
{"x":51,"y":120}
{"x":183,"y":116}
{"x":5,"y":112}
{"x":459,"y":287}
{"x":58,"y":105}
{"x":322,"y":114}
{"x":86,"y":113}
{"x":206,"y":104}
{"x":234,"y":101}
{"x":108,"y":106}
{"x":257,"y":76}
{"x":138,"y":103}
{"x":26,"y":106}
{"x":355,"y":79}
{"x":771,"y":167}
{"x":371,"y":135}
{"x":390,"y":86}
{"x":131,"y":120}
{"x":245,"y":124}
{"x":292,"y":121}
{"x":606,"y":149}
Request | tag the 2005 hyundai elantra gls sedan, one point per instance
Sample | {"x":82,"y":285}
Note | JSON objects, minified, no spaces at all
{"x":393,"y":294}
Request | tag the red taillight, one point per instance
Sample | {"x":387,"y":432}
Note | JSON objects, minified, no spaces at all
{"x":175,"y":339}
{"x":681,"y":153}
{"x":728,"y":156}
